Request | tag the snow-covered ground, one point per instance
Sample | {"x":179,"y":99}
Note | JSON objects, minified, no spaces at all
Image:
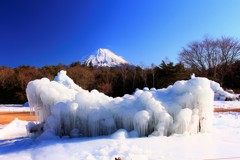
{"x":226,"y":104}
{"x":222,"y":142}
{"x":14,"y":108}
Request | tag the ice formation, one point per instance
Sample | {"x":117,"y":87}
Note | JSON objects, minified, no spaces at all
{"x":220,"y":94}
{"x":66,"y":109}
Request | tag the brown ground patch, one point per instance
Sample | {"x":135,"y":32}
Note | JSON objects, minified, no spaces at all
{"x":7,"y":117}
{"x":226,"y":109}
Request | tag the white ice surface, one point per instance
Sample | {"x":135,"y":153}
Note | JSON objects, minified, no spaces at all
{"x":222,"y":142}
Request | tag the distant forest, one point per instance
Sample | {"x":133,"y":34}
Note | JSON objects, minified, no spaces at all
{"x":216,"y":59}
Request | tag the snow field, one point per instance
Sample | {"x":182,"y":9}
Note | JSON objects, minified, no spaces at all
{"x":14,"y":108}
{"x":146,"y":111}
{"x":226,"y":104}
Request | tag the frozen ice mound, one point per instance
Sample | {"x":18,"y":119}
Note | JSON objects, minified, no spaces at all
{"x":221,"y":94}
{"x":66,"y":109}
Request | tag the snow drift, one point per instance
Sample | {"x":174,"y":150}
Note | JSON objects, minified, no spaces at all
{"x":66,"y":109}
{"x":15,"y":129}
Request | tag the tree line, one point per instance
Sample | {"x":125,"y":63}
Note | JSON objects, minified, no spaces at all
{"x":216,"y":59}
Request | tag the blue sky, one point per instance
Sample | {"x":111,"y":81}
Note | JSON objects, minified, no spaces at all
{"x":43,"y":32}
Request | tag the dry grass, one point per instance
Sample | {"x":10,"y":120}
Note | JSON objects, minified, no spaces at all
{"x":7,"y":117}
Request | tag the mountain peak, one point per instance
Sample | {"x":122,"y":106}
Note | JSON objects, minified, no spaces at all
{"x":105,"y":58}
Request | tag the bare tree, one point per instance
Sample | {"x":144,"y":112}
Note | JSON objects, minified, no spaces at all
{"x":193,"y":56}
{"x":230,"y":52}
{"x":124,"y":71}
{"x":134,"y":77}
{"x":143,"y":74}
{"x":5,"y":74}
{"x":210,"y":56}
{"x":153,"y":74}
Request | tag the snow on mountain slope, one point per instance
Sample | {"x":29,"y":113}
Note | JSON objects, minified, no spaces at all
{"x":105,"y":58}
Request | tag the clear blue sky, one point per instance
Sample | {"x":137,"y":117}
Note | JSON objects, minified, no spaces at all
{"x":49,"y":32}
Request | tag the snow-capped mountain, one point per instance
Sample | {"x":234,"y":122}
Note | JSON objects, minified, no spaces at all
{"x":105,"y":58}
